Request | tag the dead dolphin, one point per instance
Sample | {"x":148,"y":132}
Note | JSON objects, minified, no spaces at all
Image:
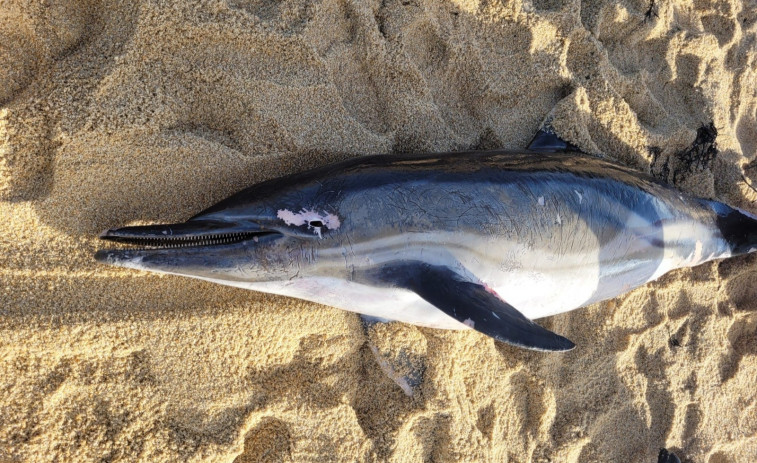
{"x":483,"y":240}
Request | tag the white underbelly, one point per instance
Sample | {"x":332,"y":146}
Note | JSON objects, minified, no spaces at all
{"x":388,"y":303}
{"x":538,"y":283}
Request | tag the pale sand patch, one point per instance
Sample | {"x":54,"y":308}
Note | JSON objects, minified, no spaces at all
{"x":120,"y":112}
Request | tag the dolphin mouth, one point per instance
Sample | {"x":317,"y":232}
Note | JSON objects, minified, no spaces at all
{"x":189,"y":234}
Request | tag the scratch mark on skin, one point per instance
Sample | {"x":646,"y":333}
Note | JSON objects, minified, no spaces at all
{"x":696,"y":256}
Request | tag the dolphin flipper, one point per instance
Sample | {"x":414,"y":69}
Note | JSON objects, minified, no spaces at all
{"x":472,"y":304}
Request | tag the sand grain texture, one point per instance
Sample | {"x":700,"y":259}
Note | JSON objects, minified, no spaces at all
{"x":124,"y":112}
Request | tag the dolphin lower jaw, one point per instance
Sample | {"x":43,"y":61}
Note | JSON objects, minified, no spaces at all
{"x":232,"y":264}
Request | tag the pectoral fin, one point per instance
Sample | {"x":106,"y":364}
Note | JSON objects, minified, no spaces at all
{"x":470,"y":303}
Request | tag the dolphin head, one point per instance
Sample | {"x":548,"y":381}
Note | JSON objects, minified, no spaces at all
{"x":269,"y":232}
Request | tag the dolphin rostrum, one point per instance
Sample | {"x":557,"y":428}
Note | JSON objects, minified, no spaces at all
{"x":483,"y":240}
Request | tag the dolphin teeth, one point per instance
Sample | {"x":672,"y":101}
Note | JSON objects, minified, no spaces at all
{"x":182,"y":241}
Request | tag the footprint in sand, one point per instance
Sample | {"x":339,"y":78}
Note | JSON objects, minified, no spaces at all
{"x":34,"y":34}
{"x":269,"y":441}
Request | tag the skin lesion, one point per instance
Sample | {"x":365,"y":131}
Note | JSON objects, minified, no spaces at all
{"x":314,"y":220}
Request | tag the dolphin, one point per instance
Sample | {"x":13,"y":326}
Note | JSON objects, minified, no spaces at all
{"x":487,"y":240}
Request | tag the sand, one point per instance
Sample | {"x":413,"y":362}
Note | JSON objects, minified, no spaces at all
{"x":129,"y":112}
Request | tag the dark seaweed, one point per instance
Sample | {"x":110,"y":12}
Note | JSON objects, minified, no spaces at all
{"x":700,"y":155}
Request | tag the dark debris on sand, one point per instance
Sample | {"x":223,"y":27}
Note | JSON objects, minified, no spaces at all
{"x":700,"y":155}
{"x":652,"y":11}
{"x":667,"y":457}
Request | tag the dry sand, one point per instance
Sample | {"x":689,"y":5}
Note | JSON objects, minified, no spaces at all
{"x":118,"y":112}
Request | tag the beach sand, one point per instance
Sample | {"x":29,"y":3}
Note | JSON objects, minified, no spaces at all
{"x":114,"y":113}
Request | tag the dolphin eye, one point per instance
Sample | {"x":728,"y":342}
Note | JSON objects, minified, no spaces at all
{"x":315,"y":223}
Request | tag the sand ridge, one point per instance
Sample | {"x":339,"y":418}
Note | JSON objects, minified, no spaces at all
{"x":129,"y":112}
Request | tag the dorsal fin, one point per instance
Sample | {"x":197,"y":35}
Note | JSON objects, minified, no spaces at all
{"x":546,"y":140}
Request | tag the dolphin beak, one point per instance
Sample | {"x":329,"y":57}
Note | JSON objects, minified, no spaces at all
{"x":193,"y":235}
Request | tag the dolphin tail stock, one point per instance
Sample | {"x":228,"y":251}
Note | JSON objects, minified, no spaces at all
{"x":470,"y":303}
{"x":738,"y":227}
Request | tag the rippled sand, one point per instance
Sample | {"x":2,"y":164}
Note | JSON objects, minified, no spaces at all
{"x":113,"y":114}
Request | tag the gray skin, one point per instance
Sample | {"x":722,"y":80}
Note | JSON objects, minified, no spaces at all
{"x":483,"y":240}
